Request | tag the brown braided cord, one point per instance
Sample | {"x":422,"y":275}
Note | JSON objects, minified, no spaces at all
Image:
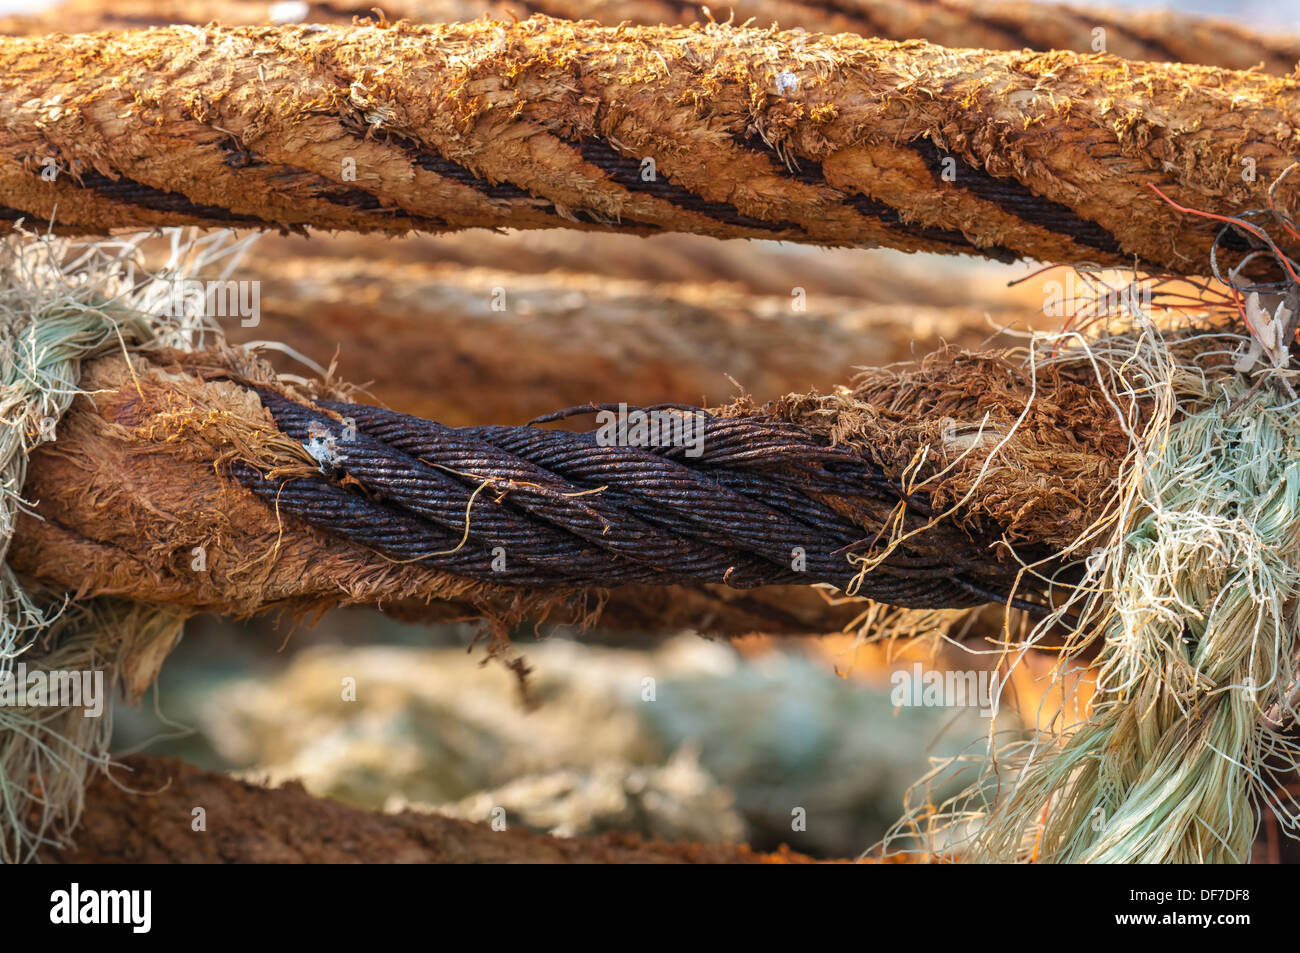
{"x":1163,"y":36}
{"x":824,"y":140}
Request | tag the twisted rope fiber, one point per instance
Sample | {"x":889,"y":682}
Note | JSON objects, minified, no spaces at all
{"x":831,"y":140}
{"x":570,"y":512}
{"x":1159,"y":36}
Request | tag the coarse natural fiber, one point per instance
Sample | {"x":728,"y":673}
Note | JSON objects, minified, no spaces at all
{"x":1189,"y":597}
{"x":714,"y":130}
{"x":63,"y":304}
{"x":1159,"y":35}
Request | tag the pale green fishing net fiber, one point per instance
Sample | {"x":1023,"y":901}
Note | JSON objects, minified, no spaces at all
{"x":1200,"y":647}
{"x":1193,"y":595}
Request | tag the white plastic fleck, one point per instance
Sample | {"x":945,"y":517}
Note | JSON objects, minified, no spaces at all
{"x":323,"y":447}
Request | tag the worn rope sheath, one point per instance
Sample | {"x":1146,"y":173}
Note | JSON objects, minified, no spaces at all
{"x":1163,"y":36}
{"x":832,"y":140}
{"x":564,"y":510}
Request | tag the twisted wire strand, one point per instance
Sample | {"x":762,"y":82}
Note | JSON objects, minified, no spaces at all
{"x":529,"y":506}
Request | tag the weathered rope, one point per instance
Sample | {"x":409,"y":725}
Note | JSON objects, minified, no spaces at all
{"x":1117,"y":449}
{"x":127,"y":524}
{"x":133,"y":501}
{"x":288,"y":825}
{"x":62,"y":306}
{"x":1192,"y":594}
{"x":727,"y":132}
{"x":1164,"y":36}
{"x":526,"y":506}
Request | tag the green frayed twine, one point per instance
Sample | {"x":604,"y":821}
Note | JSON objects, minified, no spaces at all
{"x":1199,"y":653}
{"x":1192,"y":591}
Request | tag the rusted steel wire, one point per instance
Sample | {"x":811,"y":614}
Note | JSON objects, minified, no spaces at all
{"x":129,"y":503}
{"x":204,"y":482}
{"x":536,"y":507}
{"x":726,"y":132}
{"x":1164,"y":36}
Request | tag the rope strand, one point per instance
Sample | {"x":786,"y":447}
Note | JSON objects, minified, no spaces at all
{"x":831,"y":140}
{"x":562,"y":509}
{"x":1166,"y":36}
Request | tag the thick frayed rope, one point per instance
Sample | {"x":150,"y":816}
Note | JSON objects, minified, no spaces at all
{"x":1192,"y":591}
{"x":1200,"y":649}
{"x":828,"y":140}
{"x":62,"y":304}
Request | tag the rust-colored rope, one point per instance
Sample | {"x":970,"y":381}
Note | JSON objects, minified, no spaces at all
{"x":142,"y":812}
{"x":726,"y":132}
{"x":1163,"y":36}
